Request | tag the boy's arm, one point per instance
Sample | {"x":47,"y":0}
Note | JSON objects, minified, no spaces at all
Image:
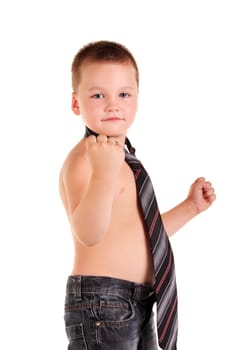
{"x":91,"y":218}
{"x":200,"y":197}
{"x":90,"y":188}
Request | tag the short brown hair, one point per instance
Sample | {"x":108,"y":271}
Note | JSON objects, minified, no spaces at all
{"x":101,"y":51}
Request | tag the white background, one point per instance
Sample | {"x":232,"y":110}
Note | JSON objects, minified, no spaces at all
{"x":184,"y":52}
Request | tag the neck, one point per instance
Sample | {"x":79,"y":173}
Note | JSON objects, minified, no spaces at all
{"x":131,"y":149}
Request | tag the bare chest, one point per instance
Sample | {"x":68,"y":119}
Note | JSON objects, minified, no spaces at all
{"x":126,"y":243}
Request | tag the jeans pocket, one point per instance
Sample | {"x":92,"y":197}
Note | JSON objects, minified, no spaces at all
{"x":115,"y":312}
{"x":76,"y":337}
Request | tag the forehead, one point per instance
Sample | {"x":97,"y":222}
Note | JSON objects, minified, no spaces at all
{"x":107,"y":72}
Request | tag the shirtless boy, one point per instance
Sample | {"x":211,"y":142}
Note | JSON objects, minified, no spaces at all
{"x":112,"y":258}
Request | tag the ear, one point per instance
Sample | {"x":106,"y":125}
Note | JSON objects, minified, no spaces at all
{"x":75,"y":104}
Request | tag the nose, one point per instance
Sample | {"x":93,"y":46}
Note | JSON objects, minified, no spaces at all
{"x":111,"y":106}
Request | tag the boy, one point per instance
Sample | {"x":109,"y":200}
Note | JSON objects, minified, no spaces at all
{"x":110,"y":294}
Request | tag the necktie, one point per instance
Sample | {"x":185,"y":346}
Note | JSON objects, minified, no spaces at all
{"x":164,"y":268}
{"x":165,"y":280}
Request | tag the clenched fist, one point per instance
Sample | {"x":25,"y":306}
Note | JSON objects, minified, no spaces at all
{"x":105,"y":155}
{"x":202,"y":194}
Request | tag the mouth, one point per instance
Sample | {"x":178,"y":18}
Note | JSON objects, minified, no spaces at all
{"x":112,"y":119}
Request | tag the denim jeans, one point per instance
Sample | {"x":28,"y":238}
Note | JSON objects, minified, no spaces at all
{"x":107,"y":313}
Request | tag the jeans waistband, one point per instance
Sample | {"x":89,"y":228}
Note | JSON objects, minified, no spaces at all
{"x":79,"y":284}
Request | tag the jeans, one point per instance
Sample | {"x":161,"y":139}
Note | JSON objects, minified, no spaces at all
{"x":107,"y":313}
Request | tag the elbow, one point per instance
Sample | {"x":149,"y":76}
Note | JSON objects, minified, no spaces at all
{"x":86,"y":241}
{"x":88,"y":238}
{"x":88,"y":234}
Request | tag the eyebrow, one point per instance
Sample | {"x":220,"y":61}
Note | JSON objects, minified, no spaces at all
{"x":102,"y":88}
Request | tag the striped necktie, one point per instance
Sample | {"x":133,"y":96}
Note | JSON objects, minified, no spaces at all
{"x":165,"y":280}
{"x":164,"y":268}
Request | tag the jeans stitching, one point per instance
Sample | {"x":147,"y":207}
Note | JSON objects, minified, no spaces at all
{"x":117,"y":323}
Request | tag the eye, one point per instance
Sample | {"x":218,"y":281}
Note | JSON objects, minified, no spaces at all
{"x":124,"y":94}
{"x":97,"y":96}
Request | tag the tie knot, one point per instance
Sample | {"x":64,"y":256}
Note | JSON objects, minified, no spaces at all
{"x":131,"y":149}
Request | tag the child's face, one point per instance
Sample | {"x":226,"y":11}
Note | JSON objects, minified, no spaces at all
{"x":107,"y":97}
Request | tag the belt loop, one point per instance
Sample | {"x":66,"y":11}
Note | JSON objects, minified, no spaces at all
{"x":136,"y":293}
{"x":76,"y":287}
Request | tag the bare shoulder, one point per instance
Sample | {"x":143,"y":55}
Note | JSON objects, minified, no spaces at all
{"x":73,"y":178}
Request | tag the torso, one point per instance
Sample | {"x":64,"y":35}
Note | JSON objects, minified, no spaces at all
{"x":124,"y":252}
